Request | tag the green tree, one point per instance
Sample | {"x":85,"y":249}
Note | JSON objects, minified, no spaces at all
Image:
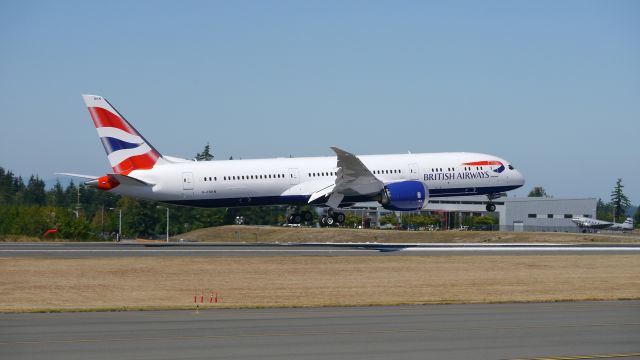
{"x":205,"y":155}
{"x":538,"y":191}
{"x":390,"y":218}
{"x":604,"y":211}
{"x":55,"y":196}
{"x":636,"y":217}
{"x":34,"y":193}
{"x":352,"y":220}
{"x":619,"y":201}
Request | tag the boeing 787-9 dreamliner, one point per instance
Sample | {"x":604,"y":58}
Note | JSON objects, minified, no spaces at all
{"x":402,"y":182}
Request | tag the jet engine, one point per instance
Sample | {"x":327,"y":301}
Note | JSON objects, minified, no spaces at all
{"x":404,"y":195}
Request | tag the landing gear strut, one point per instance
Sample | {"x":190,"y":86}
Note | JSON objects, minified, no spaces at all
{"x":491,"y":207}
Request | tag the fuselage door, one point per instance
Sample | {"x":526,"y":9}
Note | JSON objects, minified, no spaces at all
{"x":187,"y":181}
{"x":413,"y":172}
{"x":293,"y":177}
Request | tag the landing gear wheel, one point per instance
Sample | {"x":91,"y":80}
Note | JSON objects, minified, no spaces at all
{"x":491,"y":207}
{"x":330,"y":221}
{"x":339,"y":217}
{"x":323,"y":220}
{"x":294,"y":219}
{"x":306,"y":216}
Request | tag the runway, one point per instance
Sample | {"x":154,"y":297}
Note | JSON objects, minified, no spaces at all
{"x":478,"y":331}
{"x":330,"y":249}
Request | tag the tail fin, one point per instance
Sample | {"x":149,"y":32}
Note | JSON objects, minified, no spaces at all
{"x":126,"y":149}
{"x":628,"y":221}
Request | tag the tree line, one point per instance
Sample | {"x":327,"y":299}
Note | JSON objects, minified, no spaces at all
{"x":82,"y":213}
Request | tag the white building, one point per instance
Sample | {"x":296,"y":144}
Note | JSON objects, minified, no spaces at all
{"x":514,"y":214}
{"x":523,"y":214}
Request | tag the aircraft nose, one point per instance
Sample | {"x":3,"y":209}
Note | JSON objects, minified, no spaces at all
{"x":518,"y":178}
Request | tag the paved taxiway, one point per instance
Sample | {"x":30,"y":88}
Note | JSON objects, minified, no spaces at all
{"x":477,"y":331}
{"x":208,"y":249}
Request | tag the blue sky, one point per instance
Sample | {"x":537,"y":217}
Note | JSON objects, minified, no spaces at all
{"x":552,"y":86}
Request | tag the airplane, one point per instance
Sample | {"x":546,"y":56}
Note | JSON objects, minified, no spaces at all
{"x":401,"y":182}
{"x":586,"y":223}
{"x":627,"y":225}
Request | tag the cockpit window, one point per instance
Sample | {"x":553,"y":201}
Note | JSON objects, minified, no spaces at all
{"x":511,"y":167}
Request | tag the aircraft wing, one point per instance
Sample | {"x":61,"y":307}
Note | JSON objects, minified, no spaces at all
{"x":353,"y":178}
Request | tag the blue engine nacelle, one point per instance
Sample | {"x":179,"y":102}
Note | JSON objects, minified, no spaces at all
{"x":404,"y":196}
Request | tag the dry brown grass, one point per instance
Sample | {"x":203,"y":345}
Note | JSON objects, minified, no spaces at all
{"x":276,"y":234}
{"x":29,"y":284}
{"x":269,"y":234}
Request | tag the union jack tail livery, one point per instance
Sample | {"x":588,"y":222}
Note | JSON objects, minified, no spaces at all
{"x":126,"y":149}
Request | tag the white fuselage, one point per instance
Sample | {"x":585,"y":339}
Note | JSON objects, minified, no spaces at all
{"x":292,"y":180}
{"x":584,"y":222}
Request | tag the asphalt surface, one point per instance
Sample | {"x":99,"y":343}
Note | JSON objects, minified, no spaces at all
{"x":207,"y":249}
{"x":478,"y":331}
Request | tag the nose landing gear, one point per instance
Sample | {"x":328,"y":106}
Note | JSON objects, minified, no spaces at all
{"x":491,"y":207}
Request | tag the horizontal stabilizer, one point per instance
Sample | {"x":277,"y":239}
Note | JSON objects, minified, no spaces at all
{"x":128,"y":180}
{"x":78,"y":175}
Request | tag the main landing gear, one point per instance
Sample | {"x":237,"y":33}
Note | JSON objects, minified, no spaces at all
{"x":299,"y":217}
{"x":332,"y":218}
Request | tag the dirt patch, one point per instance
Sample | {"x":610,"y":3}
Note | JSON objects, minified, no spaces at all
{"x":29,"y":284}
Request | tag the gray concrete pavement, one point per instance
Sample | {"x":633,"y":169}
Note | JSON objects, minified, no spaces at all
{"x":208,"y":249}
{"x":487,"y":331}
